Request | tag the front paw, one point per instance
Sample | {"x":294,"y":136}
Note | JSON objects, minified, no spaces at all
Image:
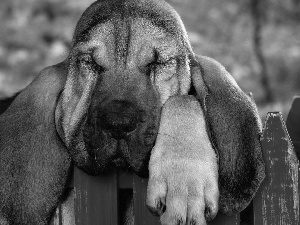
{"x":182,"y":192}
{"x":183,"y":168}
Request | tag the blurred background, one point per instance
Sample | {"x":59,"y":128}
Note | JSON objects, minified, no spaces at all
{"x":258,"y":41}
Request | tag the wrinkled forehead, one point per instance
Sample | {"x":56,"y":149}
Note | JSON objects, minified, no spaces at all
{"x":123,"y":14}
{"x":116,"y":46}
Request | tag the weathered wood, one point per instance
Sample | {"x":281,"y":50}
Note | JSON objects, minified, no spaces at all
{"x":67,"y":212}
{"x":222,"y":219}
{"x":125,"y":180}
{"x":96,"y":200}
{"x":277,"y":200}
{"x":141,"y":212}
{"x":55,"y":220}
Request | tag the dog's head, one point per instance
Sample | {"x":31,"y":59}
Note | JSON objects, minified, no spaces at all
{"x":127,"y":58}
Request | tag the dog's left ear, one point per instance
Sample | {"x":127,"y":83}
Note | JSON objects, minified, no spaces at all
{"x":34,"y":162}
{"x":234,"y":127}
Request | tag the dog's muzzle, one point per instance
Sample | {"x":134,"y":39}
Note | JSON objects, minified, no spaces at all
{"x":119,"y":118}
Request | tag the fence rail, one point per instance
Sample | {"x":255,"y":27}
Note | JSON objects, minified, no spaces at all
{"x":94,"y":200}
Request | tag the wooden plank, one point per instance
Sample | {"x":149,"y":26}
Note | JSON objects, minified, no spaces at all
{"x":67,"y":210}
{"x":56,"y":218}
{"x":222,"y":219}
{"x":125,"y":180}
{"x":277,"y":200}
{"x":246,"y":216}
{"x":96,"y":199}
{"x":64,"y":213}
{"x":142,"y":215}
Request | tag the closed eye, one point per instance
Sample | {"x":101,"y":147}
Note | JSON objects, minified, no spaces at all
{"x":163,"y":70}
{"x":157,"y":60}
{"x":86,"y":59}
{"x":154,"y":60}
{"x":169,"y":61}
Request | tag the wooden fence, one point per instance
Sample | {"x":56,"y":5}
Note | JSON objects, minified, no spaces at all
{"x":94,"y":200}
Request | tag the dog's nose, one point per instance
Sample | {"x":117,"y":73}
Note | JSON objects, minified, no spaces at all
{"x":119,"y":118}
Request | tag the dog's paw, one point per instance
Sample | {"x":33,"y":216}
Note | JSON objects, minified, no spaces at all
{"x":183,"y":191}
{"x":183,"y":168}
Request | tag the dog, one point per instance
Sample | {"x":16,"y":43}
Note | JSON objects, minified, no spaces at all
{"x":101,"y":108}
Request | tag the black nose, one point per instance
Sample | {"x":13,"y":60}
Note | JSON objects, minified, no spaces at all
{"x":119,"y":118}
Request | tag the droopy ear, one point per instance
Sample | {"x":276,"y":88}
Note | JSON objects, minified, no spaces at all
{"x":34,"y":163}
{"x":234,"y":127}
{"x":72,"y":107}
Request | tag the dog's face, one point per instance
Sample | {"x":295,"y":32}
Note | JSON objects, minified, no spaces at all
{"x":127,"y":59}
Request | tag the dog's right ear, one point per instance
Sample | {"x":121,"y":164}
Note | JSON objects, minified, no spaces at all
{"x":34,"y":163}
{"x":234,"y":128}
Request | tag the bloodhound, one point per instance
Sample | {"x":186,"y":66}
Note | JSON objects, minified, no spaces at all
{"x":101,"y":108}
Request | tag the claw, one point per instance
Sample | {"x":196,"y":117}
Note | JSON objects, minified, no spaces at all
{"x":207,"y":212}
{"x":180,"y":222}
{"x":161,"y":207}
{"x":192,"y":222}
{"x":153,"y":210}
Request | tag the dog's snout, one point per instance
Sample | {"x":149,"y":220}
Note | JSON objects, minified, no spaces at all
{"x":115,"y":121}
{"x":119,"y":118}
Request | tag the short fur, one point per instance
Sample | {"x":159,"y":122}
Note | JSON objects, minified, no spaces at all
{"x":101,"y":107}
{"x":183,"y":166}
{"x":34,"y":163}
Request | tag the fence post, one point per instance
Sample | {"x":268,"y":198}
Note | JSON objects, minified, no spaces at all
{"x":142,"y":215}
{"x":96,"y":198}
{"x":222,"y":219}
{"x":277,"y":200}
